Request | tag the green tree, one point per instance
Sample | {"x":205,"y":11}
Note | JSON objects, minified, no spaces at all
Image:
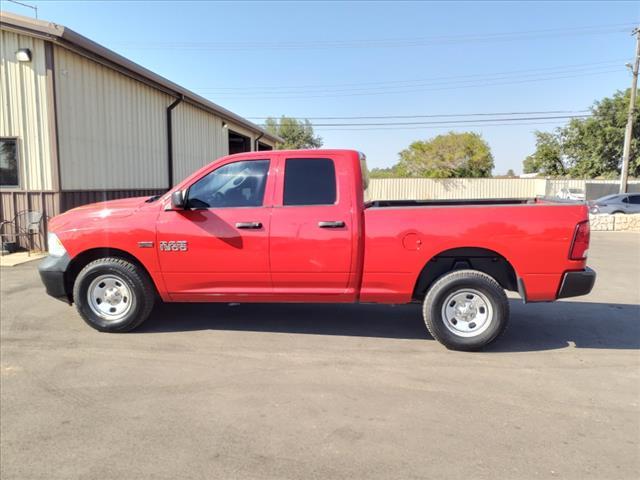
{"x":589,"y":147}
{"x":295,"y":133}
{"x":447,"y":156}
{"x":383,"y":173}
{"x":547,"y":158}
{"x":594,"y":145}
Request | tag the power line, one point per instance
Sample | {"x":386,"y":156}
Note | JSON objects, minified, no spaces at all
{"x":452,"y":122}
{"x":429,"y":127}
{"x":430,"y":83}
{"x":358,"y":85}
{"x":442,"y":115}
{"x":32,"y":7}
{"x":447,"y":87}
{"x":381,"y":43}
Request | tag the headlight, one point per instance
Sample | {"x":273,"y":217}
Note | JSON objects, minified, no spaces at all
{"x":56,"y":249}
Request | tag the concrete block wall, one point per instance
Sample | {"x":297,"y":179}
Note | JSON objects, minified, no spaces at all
{"x":619,"y":222}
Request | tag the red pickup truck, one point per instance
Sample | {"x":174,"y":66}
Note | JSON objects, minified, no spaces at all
{"x":295,"y":226}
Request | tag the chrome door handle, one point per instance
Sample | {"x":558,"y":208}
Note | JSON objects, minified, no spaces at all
{"x":333,"y":224}
{"x":249,"y":225}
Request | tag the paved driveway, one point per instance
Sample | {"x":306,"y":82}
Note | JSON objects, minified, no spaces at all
{"x":294,"y":391}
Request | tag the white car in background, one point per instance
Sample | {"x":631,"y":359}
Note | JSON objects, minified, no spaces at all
{"x":571,"y":194}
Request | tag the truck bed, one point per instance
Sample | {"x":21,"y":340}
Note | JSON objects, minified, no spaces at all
{"x":533,"y":235}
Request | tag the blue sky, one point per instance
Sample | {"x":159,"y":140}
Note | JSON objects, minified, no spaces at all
{"x":339,"y":59}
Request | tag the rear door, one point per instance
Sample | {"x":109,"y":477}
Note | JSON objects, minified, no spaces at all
{"x":311,"y":229}
{"x":217,"y":248}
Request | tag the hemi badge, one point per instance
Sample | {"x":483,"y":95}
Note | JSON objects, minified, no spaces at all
{"x":145,"y":244}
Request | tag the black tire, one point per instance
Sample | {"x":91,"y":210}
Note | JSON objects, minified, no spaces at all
{"x":455,"y":283}
{"x":136,"y":281}
{"x":617,"y":212}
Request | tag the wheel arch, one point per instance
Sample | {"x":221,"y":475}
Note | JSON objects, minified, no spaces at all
{"x":82,"y":259}
{"x":477,"y":258}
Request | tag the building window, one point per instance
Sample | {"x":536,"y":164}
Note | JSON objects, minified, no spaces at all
{"x":309,"y":181}
{"x":9,"y":162}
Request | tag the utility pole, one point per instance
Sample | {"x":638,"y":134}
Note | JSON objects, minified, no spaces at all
{"x":626,"y":151}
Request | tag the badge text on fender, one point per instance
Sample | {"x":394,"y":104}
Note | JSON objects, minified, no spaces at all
{"x":174,"y":246}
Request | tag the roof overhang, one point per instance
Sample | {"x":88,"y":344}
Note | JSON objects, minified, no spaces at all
{"x":67,"y":38}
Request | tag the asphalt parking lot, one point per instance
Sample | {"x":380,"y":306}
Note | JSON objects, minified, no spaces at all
{"x":308,"y":391}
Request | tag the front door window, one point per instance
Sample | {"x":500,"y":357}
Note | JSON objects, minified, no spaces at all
{"x":239,"y":184}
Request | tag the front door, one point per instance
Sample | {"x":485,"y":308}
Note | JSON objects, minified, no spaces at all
{"x":217,"y":248}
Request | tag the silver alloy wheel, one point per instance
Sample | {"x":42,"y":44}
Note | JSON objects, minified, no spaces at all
{"x":109,"y":297}
{"x":467,"y":312}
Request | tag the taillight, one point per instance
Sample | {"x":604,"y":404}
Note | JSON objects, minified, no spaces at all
{"x":580,"y":244}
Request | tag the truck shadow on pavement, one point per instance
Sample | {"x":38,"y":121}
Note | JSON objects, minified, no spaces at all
{"x":534,"y":327}
{"x":548,"y":326}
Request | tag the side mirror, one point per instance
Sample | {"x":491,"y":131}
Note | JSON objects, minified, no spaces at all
{"x":177,"y":200}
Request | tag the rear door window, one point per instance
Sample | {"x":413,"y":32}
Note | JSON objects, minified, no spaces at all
{"x":309,"y":181}
{"x":635,"y":199}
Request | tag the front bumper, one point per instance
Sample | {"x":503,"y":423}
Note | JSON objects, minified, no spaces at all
{"x":52,"y":273}
{"x":577,"y":283}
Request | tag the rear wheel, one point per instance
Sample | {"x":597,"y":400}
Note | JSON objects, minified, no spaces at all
{"x":113,"y":295}
{"x":466,"y":310}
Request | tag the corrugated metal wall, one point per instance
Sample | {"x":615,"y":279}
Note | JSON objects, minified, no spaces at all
{"x":453,"y":188}
{"x":596,"y":189}
{"x":112,"y":130}
{"x":198,"y":139}
{"x":554,"y":186}
{"x":12,"y":203}
{"x":461,"y":188}
{"x":24,"y":110}
{"x":72,"y":199}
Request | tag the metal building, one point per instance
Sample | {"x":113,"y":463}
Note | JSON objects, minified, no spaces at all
{"x":80,"y":123}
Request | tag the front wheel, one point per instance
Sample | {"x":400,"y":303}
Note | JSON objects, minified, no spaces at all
{"x":466,"y":310}
{"x":113,"y":295}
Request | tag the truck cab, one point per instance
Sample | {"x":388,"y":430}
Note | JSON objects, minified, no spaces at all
{"x":265,"y":228}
